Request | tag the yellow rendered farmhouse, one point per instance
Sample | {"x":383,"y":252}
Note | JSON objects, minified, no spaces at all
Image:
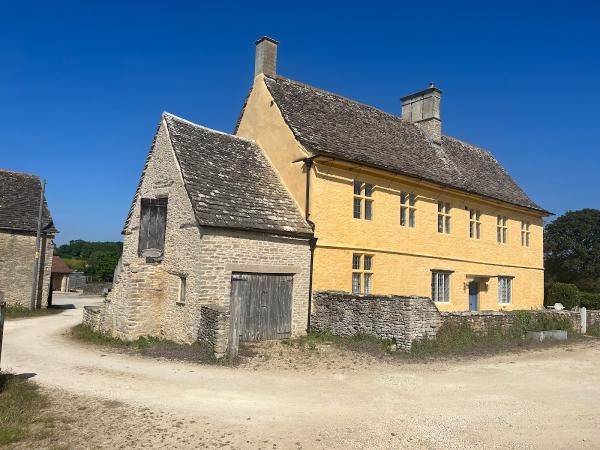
{"x":397,"y":207}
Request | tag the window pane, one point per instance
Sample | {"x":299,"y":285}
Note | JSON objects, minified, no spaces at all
{"x":368,"y":281}
{"x":357,"y":187}
{"x":434,"y":286}
{"x":446,"y":277}
{"x":356,"y":283}
{"x":504,"y":235}
{"x":471,"y":230}
{"x":440,"y":206}
{"x":498,"y":221}
{"x":527,"y":239}
{"x":369,"y":209}
{"x":477,"y":215}
{"x":368,"y":190}
{"x":471,"y":214}
{"x":403,"y":198}
{"x":447,"y":224}
{"x":440,"y":224}
{"x":447,"y":208}
{"x":411,"y":218}
{"x":499,"y":234}
{"x":412,"y":199}
{"x":368,"y":262}
{"x":182,"y":287}
{"x":356,"y":262}
{"x":478,"y":230}
{"x":357,"y":204}
{"x":403,"y":216}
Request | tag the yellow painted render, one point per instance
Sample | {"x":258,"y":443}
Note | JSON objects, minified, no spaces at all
{"x":403,"y":257}
{"x":262,"y":122}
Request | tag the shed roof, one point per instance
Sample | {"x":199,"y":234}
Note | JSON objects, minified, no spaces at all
{"x":59,"y":266}
{"x":230,"y":182}
{"x":332,"y":125}
{"x":19,"y":203}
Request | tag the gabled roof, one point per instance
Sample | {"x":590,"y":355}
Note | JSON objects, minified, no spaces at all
{"x":330,"y":125}
{"x":59,"y":266}
{"x":230,"y":182}
{"x":19,"y":203}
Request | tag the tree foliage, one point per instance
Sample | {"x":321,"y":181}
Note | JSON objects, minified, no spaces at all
{"x":572,"y":249}
{"x":99,"y":258}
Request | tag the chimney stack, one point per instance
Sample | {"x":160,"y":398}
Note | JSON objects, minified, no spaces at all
{"x":266,"y":56}
{"x":423,"y":108}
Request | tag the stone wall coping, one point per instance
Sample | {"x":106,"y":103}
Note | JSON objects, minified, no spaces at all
{"x":92,"y":309}
{"x":215,"y":307}
{"x":348,"y":295}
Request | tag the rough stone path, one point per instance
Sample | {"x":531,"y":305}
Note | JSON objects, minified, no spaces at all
{"x":543,"y":399}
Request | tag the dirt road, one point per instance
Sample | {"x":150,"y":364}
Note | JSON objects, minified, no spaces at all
{"x":544,"y":399}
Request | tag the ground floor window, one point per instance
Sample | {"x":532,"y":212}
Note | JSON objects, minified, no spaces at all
{"x":362,"y":274}
{"x":440,"y":287}
{"x":504,"y":290}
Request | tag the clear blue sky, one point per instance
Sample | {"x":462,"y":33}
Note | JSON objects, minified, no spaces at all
{"x":83,"y":84}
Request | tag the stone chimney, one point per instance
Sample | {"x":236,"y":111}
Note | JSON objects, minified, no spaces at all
{"x":423,"y":108}
{"x":266,"y":56}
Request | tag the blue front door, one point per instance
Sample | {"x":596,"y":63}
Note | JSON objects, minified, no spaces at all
{"x":473,"y":295}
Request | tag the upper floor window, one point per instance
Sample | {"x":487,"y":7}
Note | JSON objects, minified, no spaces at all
{"x":525,"y":234}
{"x":443,"y":217}
{"x":474,"y":224}
{"x":440,"y":287}
{"x":362,"y":274}
{"x":502,"y":229}
{"x":363,"y":200}
{"x":504,"y":290}
{"x":153,"y":224}
{"x":182,"y":289}
{"x":408,"y":209}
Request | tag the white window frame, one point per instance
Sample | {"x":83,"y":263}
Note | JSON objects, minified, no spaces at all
{"x":444,"y":218}
{"x":362,"y":274}
{"x":474,"y":224}
{"x":408,"y":209}
{"x":502,"y":229}
{"x":362,"y":197}
{"x":505,"y":290}
{"x":436,"y":275}
{"x":525,"y":233}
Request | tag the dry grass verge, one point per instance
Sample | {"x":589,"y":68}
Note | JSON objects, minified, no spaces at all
{"x":21,"y":312}
{"x":20,"y":406}
{"x":146,"y":346}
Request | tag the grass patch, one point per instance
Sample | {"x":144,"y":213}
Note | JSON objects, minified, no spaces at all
{"x":20,"y":405}
{"x":20,"y":311}
{"x":594,"y":330}
{"x":147,"y":346}
{"x":360,"y":342}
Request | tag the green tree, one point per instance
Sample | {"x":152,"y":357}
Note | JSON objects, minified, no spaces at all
{"x":99,"y":259}
{"x":572,"y":249}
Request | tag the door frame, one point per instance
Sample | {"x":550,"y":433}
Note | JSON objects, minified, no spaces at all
{"x":475,"y":284}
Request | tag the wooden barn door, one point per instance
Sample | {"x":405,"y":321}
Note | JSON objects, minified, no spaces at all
{"x":265,"y":305}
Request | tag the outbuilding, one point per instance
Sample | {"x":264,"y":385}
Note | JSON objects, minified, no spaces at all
{"x":210,"y":220}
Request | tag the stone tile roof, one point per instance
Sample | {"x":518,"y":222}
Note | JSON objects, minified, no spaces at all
{"x":230,"y":182}
{"x":19,"y":203}
{"x":59,"y":266}
{"x":331,"y":125}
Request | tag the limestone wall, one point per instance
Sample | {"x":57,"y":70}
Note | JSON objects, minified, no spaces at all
{"x":145,"y":299}
{"x":214,"y":329}
{"x":402,"y":319}
{"x":17,"y":251}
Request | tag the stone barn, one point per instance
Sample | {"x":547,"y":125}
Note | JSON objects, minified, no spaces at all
{"x":20,"y":195}
{"x":210,"y":219}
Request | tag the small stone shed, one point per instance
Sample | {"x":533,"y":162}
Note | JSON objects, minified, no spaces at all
{"x":210,"y":219}
{"x":20,"y":195}
{"x":60,"y":275}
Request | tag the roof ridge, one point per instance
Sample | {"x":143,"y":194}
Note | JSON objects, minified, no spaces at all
{"x":212,"y":130}
{"x":375,"y":108}
{"x":32,"y":175}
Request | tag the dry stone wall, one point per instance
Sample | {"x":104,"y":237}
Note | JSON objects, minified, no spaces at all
{"x":214,"y":329}
{"x":401,"y":319}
